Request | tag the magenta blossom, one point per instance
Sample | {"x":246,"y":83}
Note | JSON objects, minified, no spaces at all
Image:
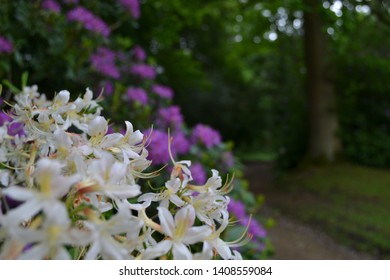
{"x":238,"y":209}
{"x":51,"y":5}
{"x":180,"y":143}
{"x":4,"y":118}
{"x":89,"y":20}
{"x":170,"y":117}
{"x":139,"y":53}
{"x":158,"y":147}
{"x":198,"y":173}
{"x":13,"y":128}
{"x":104,"y":62}
{"x":133,"y":6}
{"x":138,"y":95}
{"x":162,"y":91}
{"x":16,"y":128}
{"x":205,"y":135}
{"x":6,"y":45}
{"x":108,"y":88}
{"x":144,"y":71}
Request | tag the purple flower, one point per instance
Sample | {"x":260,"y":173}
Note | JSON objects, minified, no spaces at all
{"x":139,"y":53}
{"x":206,"y":135}
{"x":104,"y":62}
{"x":144,"y":71}
{"x":4,"y":118}
{"x":89,"y":20}
{"x":198,"y":173}
{"x":108,"y":88}
{"x":257,"y":229}
{"x":16,"y":128}
{"x":180,"y":144}
{"x":133,"y":6}
{"x":137,"y":94}
{"x":110,"y":130}
{"x":6,"y":45}
{"x":162,"y":91}
{"x":170,"y":117}
{"x":51,"y":5}
{"x":237,"y":208}
{"x":158,"y":147}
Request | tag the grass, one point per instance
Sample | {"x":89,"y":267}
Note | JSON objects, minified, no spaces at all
{"x":351,"y":203}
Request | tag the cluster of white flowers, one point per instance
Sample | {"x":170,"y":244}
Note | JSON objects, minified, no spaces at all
{"x":70,"y":190}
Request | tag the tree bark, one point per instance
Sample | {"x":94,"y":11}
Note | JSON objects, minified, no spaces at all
{"x":323,"y":123}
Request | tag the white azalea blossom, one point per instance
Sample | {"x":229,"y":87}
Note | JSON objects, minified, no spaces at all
{"x":169,"y":195}
{"x":70,"y":190}
{"x":180,"y":232}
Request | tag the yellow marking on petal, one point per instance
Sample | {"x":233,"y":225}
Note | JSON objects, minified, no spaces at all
{"x":180,"y":230}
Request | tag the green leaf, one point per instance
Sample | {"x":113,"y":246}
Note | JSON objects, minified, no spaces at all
{"x":13,"y":88}
{"x":24,"y":79}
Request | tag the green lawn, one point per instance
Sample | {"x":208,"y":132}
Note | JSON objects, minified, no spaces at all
{"x":351,"y":203}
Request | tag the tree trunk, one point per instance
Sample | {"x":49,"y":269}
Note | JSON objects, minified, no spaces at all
{"x":323,"y":124}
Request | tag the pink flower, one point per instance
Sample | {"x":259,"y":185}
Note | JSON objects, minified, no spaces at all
{"x":144,"y":71}
{"x":206,"y":135}
{"x":158,"y":147}
{"x":104,"y":62}
{"x":162,"y":91}
{"x":170,"y":117}
{"x":89,"y":20}
{"x":198,"y":173}
{"x":133,"y":6}
{"x":137,"y":94}
{"x":51,"y":5}
{"x":108,"y":88}
{"x":180,"y":143}
{"x":139,"y":53}
{"x":6,"y":45}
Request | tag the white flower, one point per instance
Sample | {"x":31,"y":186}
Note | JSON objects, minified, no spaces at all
{"x":129,"y":146}
{"x":107,"y":235}
{"x":98,"y":127}
{"x":52,"y":187}
{"x":67,"y":182}
{"x":110,"y":178}
{"x":49,"y":240}
{"x":62,"y":98}
{"x":169,"y":195}
{"x":180,"y":232}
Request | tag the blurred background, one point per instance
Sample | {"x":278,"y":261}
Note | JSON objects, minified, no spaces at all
{"x":299,"y":91}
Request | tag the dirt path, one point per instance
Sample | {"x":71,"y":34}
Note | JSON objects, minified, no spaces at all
{"x":293,"y":240}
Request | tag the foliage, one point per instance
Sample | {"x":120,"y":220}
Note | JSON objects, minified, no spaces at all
{"x":363,"y":97}
{"x":249,"y":56}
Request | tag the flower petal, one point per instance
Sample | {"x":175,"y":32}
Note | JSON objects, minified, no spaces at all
{"x":196,"y":234}
{"x":166,"y":221}
{"x":181,"y":252}
{"x":156,"y":251}
{"x":185,"y":215}
{"x":19,"y":193}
